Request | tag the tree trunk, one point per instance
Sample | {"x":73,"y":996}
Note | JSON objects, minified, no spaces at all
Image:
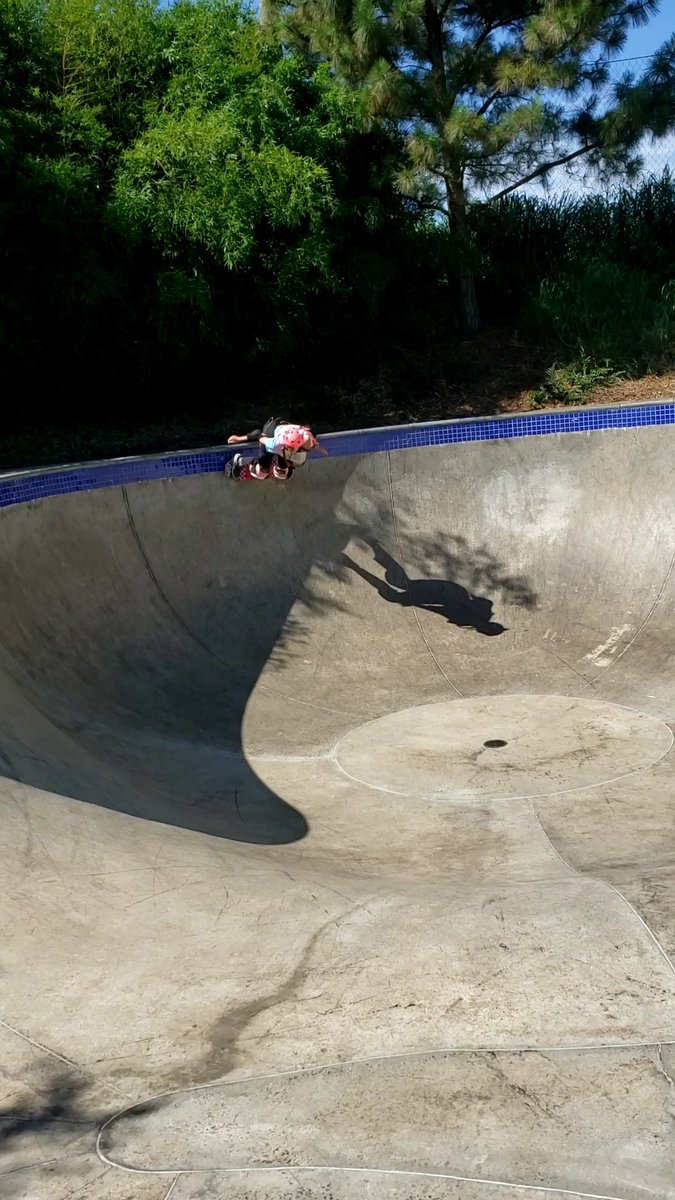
{"x":454,"y":188}
{"x":469,"y":301}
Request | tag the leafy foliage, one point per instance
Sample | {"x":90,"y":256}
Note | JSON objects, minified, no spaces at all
{"x":571,"y":384}
{"x":180,"y":193}
{"x":200,"y":221}
{"x":610,"y":312}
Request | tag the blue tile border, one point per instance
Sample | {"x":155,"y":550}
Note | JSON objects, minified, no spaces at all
{"x":24,"y":486}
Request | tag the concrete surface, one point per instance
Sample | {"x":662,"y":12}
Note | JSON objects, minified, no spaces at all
{"x":277,"y":924}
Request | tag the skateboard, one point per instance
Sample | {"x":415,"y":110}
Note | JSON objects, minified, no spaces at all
{"x":240,"y":468}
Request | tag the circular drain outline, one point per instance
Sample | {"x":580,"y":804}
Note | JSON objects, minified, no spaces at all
{"x":495,"y":799}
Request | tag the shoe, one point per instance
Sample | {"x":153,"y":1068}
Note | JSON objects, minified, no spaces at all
{"x":236,"y":465}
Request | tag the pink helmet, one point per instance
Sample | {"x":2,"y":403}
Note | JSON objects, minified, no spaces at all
{"x":293,"y":437}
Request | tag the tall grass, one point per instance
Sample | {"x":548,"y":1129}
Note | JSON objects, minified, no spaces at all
{"x":608,"y":312}
{"x":594,"y":276}
{"x":524,"y":239}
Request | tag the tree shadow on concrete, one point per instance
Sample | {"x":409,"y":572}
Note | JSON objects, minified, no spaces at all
{"x":57,"y":1105}
{"x":131,"y":641}
{"x":52,"y":1131}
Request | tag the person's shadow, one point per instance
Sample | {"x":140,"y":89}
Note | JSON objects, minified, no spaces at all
{"x":442,"y":596}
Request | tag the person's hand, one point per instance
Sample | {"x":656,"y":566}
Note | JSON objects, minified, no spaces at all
{"x":234,"y":439}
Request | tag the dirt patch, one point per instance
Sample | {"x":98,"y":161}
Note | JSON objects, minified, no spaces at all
{"x":498,"y":373}
{"x":631,"y":391}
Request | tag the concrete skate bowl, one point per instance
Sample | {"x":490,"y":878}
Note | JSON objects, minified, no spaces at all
{"x":338,"y":829}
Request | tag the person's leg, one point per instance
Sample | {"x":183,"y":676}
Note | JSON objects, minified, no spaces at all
{"x":282,"y":468}
{"x":262,"y":468}
{"x":272,"y":463}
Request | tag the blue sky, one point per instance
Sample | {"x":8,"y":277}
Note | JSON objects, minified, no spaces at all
{"x":648,"y":39}
{"x":656,"y":155}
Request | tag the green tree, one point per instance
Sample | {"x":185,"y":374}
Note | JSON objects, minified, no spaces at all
{"x":491,"y":94}
{"x":107,"y":64}
{"x":255,"y":164}
{"x":75,"y":76}
{"x":184,"y":208}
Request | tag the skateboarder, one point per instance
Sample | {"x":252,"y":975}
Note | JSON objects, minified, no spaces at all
{"x":283,"y":447}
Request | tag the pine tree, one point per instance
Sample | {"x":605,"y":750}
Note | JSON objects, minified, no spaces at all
{"x":491,"y":94}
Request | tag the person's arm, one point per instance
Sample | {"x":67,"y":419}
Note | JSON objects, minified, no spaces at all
{"x":320,"y":448}
{"x":236,"y":439}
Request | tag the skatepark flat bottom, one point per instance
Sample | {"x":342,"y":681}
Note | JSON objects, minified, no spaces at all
{"x":338,"y":850}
